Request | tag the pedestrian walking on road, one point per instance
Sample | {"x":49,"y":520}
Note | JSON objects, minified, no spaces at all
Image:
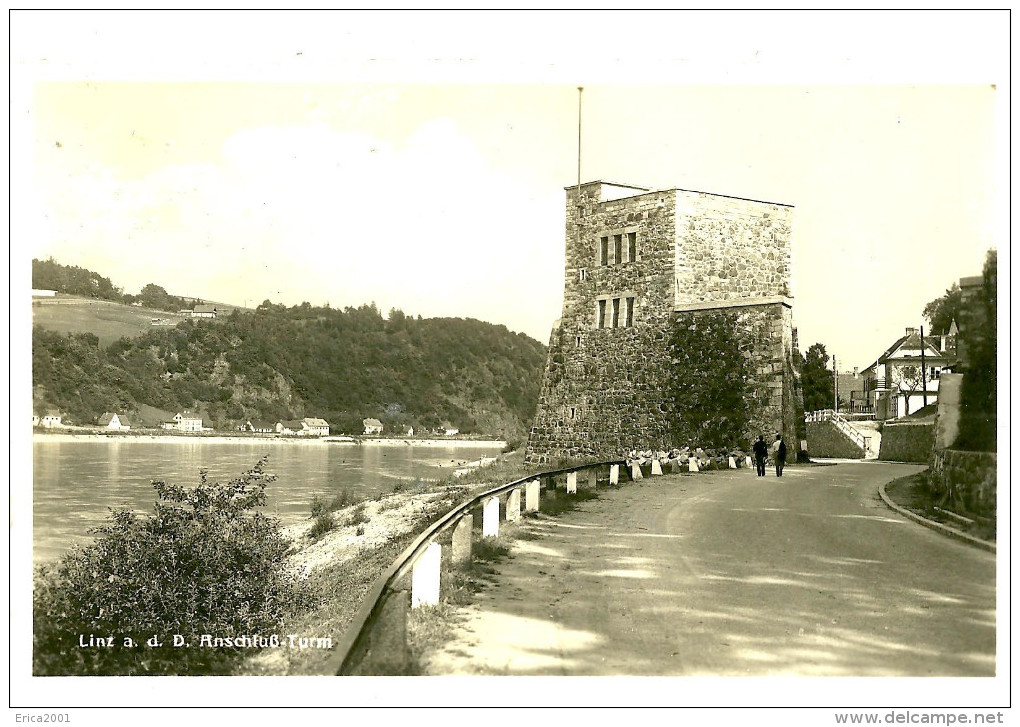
{"x":779,"y":454}
{"x":761,"y":451}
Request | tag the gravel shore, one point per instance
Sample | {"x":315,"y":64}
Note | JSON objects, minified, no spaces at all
{"x":342,"y":565}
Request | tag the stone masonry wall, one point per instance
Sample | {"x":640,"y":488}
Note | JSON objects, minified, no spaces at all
{"x":907,"y":442}
{"x":825,"y":440}
{"x":601,"y":385}
{"x":603,"y":391}
{"x":731,"y":249}
{"x":967,"y":480}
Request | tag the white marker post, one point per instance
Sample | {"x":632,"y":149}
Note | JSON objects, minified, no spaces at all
{"x":490,"y":517}
{"x":513,"y":506}
{"x":425,"y":577}
{"x":461,"y":543}
{"x":531,"y":496}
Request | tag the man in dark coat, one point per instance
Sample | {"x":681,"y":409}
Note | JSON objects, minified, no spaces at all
{"x":761,"y":451}
{"x":779,"y":454}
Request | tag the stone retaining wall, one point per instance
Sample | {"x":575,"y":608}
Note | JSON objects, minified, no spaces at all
{"x":907,"y":442}
{"x":966,"y":479}
{"x":825,"y":440}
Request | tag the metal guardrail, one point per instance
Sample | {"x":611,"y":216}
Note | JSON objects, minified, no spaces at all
{"x":386,"y":604}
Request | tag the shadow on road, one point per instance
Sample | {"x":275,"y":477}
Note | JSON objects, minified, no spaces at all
{"x":669,"y":577}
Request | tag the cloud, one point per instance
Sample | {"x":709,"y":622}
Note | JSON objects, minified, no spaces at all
{"x":294,"y":213}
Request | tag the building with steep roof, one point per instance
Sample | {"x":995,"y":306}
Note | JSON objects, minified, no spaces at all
{"x":307,"y":427}
{"x":902,"y":380}
{"x":186,"y":421}
{"x":113,"y":420}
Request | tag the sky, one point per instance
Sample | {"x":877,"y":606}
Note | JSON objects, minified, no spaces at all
{"x":418,"y":160}
{"x":436,"y":185}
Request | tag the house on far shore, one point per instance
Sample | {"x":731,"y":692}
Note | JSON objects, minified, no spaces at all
{"x":185,"y":421}
{"x":315,"y":427}
{"x":372,"y":426}
{"x":258,"y":427}
{"x":450,"y":430}
{"x":51,"y":419}
{"x":113,"y":420}
{"x":307,"y":427}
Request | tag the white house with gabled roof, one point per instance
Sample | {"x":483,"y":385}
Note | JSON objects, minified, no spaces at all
{"x":901,"y":380}
{"x":113,"y":420}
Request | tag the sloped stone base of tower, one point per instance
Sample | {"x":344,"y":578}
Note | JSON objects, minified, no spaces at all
{"x":617,"y":390}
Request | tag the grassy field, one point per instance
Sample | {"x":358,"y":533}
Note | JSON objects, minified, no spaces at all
{"x":108,"y":321}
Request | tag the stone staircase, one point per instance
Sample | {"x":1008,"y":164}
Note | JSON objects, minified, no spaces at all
{"x":863,"y":434}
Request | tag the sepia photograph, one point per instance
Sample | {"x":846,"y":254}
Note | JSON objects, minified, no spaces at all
{"x":648,"y":355}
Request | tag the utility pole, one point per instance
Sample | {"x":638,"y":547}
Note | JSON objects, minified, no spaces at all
{"x":835,"y":385}
{"x":924,"y":375}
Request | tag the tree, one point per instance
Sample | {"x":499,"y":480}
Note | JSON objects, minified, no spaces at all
{"x":154,"y":296}
{"x":909,"y":378}
{"x":51,"y":275}
{"x":708,"y":402}
{"x":816,"y":379}
{"x":941,"y":312}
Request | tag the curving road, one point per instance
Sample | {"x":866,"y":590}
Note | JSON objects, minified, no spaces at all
{"x":723,"y":573}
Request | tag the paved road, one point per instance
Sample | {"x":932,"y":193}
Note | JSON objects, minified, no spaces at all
{"x":722,"y":573}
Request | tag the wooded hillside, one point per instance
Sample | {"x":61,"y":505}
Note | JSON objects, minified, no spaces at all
{"x":286,"y":363}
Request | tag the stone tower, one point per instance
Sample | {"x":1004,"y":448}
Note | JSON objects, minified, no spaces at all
{"x":640,"y":262}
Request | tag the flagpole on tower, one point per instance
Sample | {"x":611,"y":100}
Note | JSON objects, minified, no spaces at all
{"x":577,"y":196}
{"x":580,"y":89}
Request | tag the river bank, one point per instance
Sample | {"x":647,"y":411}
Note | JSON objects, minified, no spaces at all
{"x":343,"y":564}
{"x":92,"y":435}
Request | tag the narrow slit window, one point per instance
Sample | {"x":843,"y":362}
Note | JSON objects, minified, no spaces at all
{"x":604,"y":251}
{"x":616,"y":312}
{"x":581,"y":274}
{"x":617,"y":249}
{"x":631,"y":246}
{"x":630,"y":312}
{"x":602,"y":314}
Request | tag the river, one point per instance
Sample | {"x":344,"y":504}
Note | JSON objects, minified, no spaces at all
{"x":75,"y":483}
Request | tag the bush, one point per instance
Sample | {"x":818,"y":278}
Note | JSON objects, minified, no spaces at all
{"x":205,"y":562}
{"x":358,"y":516}
{"x":321,"y":506}
{"x":324,"y":522}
